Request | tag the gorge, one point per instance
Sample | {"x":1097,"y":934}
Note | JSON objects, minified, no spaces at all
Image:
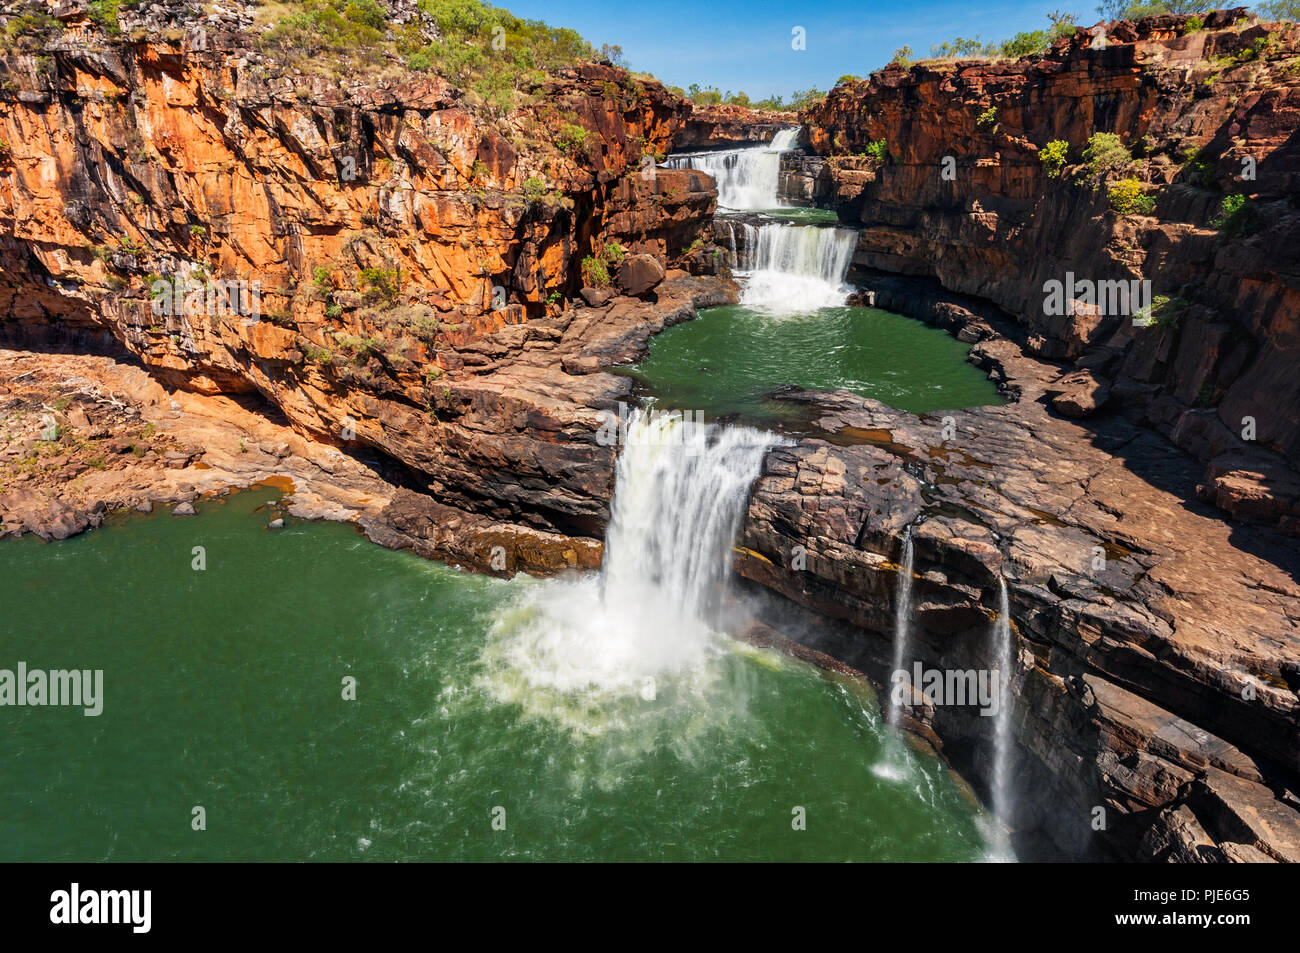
{"x":907,"y":459}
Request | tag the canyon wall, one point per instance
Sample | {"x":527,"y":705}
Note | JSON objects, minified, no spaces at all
{"x":416,"y":259}
{"x":1155,"y":693}
{"x":961,"y":194}
{"x":730,"y":127}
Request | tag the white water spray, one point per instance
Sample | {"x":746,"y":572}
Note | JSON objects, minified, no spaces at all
{"x":747,"y":178}
{"x":681,"y":489}
{"x":791,"y":268}
{"x":902,"y":620}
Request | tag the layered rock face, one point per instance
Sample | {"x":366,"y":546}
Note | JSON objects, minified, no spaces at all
{"x":406,"y":259}
{"x":1155,"y":696}
{"x":963,"y":194}
{"x":1155,"y":692}
{"x":728,"y":127}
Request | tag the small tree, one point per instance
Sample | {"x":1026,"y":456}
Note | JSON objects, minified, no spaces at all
{"x":1052,"y":156}
{"x":1107,"y":157}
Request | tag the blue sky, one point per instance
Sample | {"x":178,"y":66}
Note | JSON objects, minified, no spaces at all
{"x":746,"y":45}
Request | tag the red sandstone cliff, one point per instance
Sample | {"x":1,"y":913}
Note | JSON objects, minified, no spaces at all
{"x":1191,"y":105}
{"x":399,"y":237}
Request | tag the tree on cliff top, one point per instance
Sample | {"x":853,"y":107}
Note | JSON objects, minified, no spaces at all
{"x":1280,"y":10}
{"x":1137,"y":9}
{"x":486,"y":50}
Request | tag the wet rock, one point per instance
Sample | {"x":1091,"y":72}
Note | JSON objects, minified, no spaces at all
{"x":183,"y":509}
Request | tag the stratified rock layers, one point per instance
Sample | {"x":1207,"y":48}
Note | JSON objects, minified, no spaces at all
{"x":412,"y":255}
{"x":962,"y":195}
{"x":1155,"y":690}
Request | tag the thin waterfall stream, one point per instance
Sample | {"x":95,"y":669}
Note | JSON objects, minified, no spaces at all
{"x":1002,"y":641}
{"x":902,"y":622}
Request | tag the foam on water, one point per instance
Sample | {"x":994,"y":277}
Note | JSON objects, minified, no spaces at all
{"x":652,"y":613}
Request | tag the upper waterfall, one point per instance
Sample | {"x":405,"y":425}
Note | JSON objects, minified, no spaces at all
{"x":747,"y":178}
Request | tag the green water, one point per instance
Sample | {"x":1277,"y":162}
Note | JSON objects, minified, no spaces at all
{"x":223,"y":689}
{"x":730,"y":359}
{"x":799,"y":215}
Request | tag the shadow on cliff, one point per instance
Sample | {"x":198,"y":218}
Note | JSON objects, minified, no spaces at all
{"x":1151,"y":456}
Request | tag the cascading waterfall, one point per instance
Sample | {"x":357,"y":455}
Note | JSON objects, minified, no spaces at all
{"x":747,"y":178}
{"x":680,"y":491}
{"x":1002,"y":723}
{"x":902,"y":620}
{"x":794,"y":267}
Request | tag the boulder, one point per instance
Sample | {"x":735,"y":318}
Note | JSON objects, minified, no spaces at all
{"x":639,"y":274}
{"x":1081,"y":393}
{"x":596,"y":297}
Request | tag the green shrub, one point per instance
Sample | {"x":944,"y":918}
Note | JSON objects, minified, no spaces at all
{"x":988,"y":117}
{"x":322,"y":279}
{"x":104,"y":12}
{"x":29,"y":31}
{"x":1237,"y":216}
{"x":534,"y":190}
{"x":420,"y":61}
{"x":614,"y":253}
{"x":1106,"y":157}
{"x":1193,"y":25}
{"x":1025,"y":44}
{"x":595,"y":274}
{"x":571,"y":137}
{"x":1127,"y":198}
{"x":879,"y":149}
{"x":349,"y":30}
{"x":1052,"y":156}
{"x":361,"y":348}
{"x":904,"y":57}
{"x":1164,"y":312}
{"x":365,"y":13}
{"x":381,"y":282}
{"x":1200,"y":169}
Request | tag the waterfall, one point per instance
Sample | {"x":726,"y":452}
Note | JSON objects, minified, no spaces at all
{"x":784,"y":139}
{"x":795,"y":267}
{"x":747,"y":178}
{"x":680,"y":491}
{"x":1002,"y":646}
{"x":902,"y":620}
